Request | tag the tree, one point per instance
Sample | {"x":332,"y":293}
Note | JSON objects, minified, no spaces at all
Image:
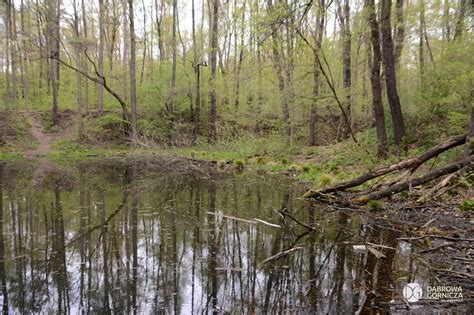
{"x":12,"y":40}
{"x":344,"y":20}
{"x":100,"y":91}
{"x":133,"y":88}
{"x":77,"y":50}
{"x":375,"y":79}
{"x":460,"y":23}
{"x":196,"y":65}
{"x":170,"y":105}
{"x":85,"y":63}
{"x":318,"y":38}
{"x":278,"y":65}
{"x":390,"y":77}
{"x":421,"y":51}
{"x":212,"y":83}
{"x":399,"y":33}
{"x":53,"y":46}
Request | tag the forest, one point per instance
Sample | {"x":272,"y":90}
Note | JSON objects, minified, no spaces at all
{"x":361,"y":110}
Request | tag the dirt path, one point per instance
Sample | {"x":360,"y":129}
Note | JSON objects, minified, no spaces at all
{"x":43,"y":139}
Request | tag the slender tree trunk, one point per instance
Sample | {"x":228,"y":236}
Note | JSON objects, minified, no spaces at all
{"x":85,"y":66}
{"x":344,"y":19}
{"x":53,"y":43}
{"x":399,"y":33}
{"x":100,"y":88}
{"x":212,"y":83}
{"x":77,"y":49}
{"x":40,"y":44}
{"x":241,"y":57}
{"x":173,"y":67}
{"x":445,"y":21}
{"x":7,"y":57}
{"x":133,"y":96}
{"x":159,"y":30}
{"x":126,"y":53}
{"x":421,"y":45}
{"x":278,"y":65}
{"x":390,"y":77}
{"x":12,"y":39}
{"x":460,"y":23}
{"x":316,"y":73}
{"x":25,"y":72}
{"x":196,"y":65}
{"x":375,"y":80}
{"x":145,"y":40}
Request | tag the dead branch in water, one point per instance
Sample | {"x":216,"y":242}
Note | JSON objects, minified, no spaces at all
{"x":282,"y":254}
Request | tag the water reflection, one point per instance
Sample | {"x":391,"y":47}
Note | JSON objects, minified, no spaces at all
{"x":124,"y":238}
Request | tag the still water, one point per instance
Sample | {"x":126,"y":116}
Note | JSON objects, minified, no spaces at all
{"x":109,"y":237}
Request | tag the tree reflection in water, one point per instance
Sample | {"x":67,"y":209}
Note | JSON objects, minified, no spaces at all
{"x":113,"y":238}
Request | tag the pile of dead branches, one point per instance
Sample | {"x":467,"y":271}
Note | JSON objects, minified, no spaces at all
{"x":405,"y":180}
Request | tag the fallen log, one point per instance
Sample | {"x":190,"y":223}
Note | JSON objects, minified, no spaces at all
{"x":451,"y":168}
{"x":411,"y":164}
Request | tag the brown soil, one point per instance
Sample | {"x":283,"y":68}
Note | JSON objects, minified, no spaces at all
{"x":46,"y":140}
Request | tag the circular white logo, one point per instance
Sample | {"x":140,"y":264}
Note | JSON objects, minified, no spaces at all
{"x":412,"y":292}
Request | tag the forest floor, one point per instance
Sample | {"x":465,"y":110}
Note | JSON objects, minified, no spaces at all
{"x":44,"y":140}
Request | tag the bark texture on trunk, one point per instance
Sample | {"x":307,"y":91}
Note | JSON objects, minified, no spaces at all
{"x":377,"y":106}
{"x":213,"y":92}
{"x":390,"y":77}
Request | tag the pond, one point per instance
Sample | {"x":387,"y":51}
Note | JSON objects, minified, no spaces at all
{"x":138,"y":237}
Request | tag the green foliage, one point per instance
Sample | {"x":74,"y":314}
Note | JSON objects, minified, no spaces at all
{"x":325,"y":180}
{"x":239,"y":164}
{"x":467,"y":205}
{"x":374,"y":205}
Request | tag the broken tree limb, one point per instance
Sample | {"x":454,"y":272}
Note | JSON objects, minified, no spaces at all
{"x":415,"y":182}
{"x":282,"y":254}
{"x":411,"y":164}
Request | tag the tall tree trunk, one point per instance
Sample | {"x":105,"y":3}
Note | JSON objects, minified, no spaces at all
{"x":421,"y":45}
{"x":145,"y":40}
{"x":12,"y":39}
{"x":196,"y":65}
{"x":278,"y":65}
{"x":159,"y":30}
{"x":390,"y":77}
{"x":212,"y":83}
{"x":53,"y":43}
{"x":126,"y":53}
{"x":316,"y":73}
{"x":40,"y":44}
{"x":100,"y":88}
{"x":445,"y":21}
{"x":241,"y":57}
{"x":344,"y":18}
{"x":170,"y":106}
{"x":77,"y":49}
{"x":133,"y":96}
{"x":375,"y":80}
{"x":85,"y":66}
{"x":25,"y":72}
{"x":7,"y":58}
{"x":399,"y":33}
{"x":460,"y":23}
